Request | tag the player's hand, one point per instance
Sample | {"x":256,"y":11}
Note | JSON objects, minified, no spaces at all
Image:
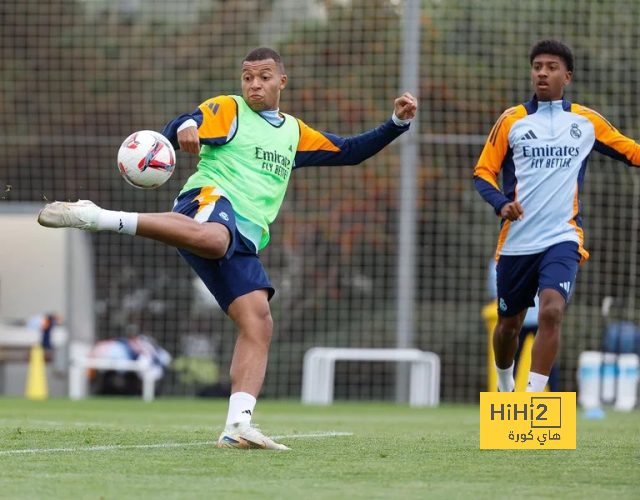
{"x":189,"y":140}
{"x":405,"y":106}
{"x":512,"y":211}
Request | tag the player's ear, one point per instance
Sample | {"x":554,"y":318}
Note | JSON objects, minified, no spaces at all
{"x":283,"y":81}
{"x":567,"y":77}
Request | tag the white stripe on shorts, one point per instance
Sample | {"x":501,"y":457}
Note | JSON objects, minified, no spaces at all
{"x":203,"y":215}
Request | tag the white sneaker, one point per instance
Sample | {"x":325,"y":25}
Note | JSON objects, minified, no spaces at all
{"x":83,"y":214}
{"x":246,"y":435}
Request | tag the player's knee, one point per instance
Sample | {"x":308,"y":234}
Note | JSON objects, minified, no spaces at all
{"x":508,"y":331}
{"x":552,"y":313}
{"x":508,"y":327}
{"x":258,"y":326}
{"x":267,"y":322}
{"x":264,"y":319}
{"x":213,"y":242}
{"x":256,"y":322}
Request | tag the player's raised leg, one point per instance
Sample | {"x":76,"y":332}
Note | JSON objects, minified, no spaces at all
{"x":210,"y":241}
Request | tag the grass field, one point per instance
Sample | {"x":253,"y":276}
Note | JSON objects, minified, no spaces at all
{"x":118,"y":449}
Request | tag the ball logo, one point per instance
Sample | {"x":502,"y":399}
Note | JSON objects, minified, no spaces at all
{"x":152,"y":161}
{"x":503,"y":305}
{"x":575,"y":132}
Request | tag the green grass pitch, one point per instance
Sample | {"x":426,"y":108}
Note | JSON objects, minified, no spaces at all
{"x":125,"y":448}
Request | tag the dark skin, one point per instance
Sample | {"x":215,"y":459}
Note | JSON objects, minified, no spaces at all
{"x":549,"y":76}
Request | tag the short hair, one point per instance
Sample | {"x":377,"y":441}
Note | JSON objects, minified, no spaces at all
{"x":555,"y":48}
{"x":264,"y":53}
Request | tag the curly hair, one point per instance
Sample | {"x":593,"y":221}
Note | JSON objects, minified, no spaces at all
{"x":553,"y":47}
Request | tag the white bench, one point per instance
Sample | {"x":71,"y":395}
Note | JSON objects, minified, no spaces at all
{"x":319,"y":369}
{"x":78,"y":380}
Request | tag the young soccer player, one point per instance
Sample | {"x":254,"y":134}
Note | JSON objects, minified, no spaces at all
{"x":220,"y":220}
{"x":541,"y":147}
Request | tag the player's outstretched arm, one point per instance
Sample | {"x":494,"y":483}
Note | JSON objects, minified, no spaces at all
{"x":324,"y":149}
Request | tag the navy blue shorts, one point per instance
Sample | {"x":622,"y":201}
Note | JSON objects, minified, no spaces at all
{"x":520,"y":277}
{"x":240,"y":271}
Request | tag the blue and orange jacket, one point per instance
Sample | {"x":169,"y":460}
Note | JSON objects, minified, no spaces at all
{"x":216,"y":120}
{"x":542,"y":149}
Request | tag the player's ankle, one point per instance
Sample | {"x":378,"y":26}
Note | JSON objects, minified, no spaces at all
{"x":119,"y":222}
{"x":506,"y":382}
{"x":537,"y":382}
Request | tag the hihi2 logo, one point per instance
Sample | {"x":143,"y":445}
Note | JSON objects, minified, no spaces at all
{"x":528,"y":420}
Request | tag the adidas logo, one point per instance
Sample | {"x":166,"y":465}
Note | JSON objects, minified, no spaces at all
{"x":529,"y":135}
{"x":566,"y":285}
{"x":246,"y":411}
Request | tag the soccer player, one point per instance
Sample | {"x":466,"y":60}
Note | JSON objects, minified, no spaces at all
{"x":541,"y":147}
{"x":220,"y":220}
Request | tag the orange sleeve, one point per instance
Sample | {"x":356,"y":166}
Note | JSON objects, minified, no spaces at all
{"x":608,"y":139}
{"x":497,"y":145}
{"x":218,"y":115}
{"x":312,"y":140}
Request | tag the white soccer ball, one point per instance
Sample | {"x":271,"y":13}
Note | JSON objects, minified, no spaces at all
{"x":146,"y":159}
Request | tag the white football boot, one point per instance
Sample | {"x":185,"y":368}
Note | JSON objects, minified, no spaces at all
{"x":83,"y":214}
{"x":247,"y":435}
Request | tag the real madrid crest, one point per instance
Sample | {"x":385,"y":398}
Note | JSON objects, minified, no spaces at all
{"x":575,"y":131}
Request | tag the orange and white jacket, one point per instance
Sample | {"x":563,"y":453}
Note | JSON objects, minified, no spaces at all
{"x":542,"y":149}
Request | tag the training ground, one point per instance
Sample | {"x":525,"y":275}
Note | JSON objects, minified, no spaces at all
{"x":125,"y":448}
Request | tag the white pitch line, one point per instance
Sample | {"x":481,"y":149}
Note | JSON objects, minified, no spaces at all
{"x":105,"y":448}
{"x":159,"y":445}
{"x":96,"y":425}
{"x":313,"y":435}
{"x":56,"y":423}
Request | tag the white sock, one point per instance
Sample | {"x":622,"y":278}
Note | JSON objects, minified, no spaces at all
{"x":241,"y":405}
{"x":120,"y":222}
{"x":536,"y":382}
{"x":506,"y":383}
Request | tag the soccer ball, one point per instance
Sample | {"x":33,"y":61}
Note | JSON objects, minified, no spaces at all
{"x":146,"y":159}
